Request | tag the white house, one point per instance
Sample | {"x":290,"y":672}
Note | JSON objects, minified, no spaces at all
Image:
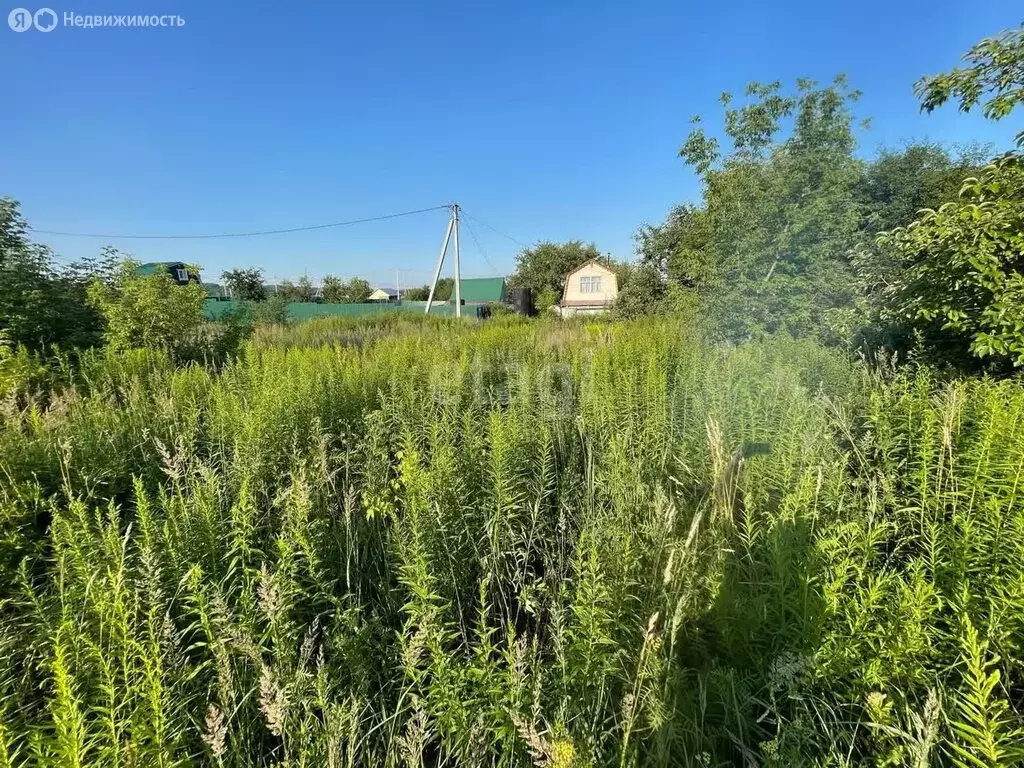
{"x":379,"y":294}
{"x":589,"y":289}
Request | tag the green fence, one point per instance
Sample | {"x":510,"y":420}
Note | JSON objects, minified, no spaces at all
{"x":303,"y":310}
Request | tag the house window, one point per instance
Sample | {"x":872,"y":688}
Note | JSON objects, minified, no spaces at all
{"x":590,"y":284}
{"x":181,"y":275}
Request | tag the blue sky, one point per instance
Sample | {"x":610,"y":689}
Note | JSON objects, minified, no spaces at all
{"x":547,"y":120}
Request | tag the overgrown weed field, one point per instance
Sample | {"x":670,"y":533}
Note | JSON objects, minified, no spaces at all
{"x":401,"y":543}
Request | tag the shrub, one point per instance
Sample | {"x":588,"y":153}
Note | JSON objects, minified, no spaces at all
{"x":149,"y":311}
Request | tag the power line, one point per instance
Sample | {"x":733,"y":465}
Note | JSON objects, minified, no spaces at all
{"x":496,"y":231}
{"x":241,"y":234}
{"x":481,"y":248}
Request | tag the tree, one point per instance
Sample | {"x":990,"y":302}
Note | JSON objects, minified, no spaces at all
{"x":41,"y":304}
{"x":644,"y":293}
{"x":898,"y":184}
{"x":306,"y":291}
{"x":356,"y":290}
{"x":149,"y":311}
{"x":289,"y":291}
{"x":958,"y":283}
{"x":770,"y":247}
{"x":416,"y":294}
{"x":272,"y":311}
{"x":332,"y":289}
{"x":245,"y":284}
{"x":962,"y":266}
{"x":445,"y":289}
{"x":677,"y":249}
{"x":995,"y":74}
{"x":544,"y":266}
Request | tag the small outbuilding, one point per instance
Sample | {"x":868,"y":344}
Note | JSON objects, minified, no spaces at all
{"x":589,"y":289}
{"x":482,"y":290}
{"x":178,"y":271}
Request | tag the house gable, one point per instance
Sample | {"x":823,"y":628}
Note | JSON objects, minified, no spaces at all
{"x":591,"y":284}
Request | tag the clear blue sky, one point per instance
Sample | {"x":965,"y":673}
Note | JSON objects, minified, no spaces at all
{"x":547,"y":120}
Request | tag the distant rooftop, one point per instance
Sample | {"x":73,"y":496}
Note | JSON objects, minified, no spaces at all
{"x":481,"y":290}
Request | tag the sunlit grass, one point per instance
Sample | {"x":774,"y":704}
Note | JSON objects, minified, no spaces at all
{"x":423,"y":542}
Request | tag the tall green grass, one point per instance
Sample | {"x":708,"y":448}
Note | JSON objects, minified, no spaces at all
{"x":431,"y":543}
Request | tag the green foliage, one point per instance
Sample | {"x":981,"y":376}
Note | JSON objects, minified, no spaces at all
{"x":42,"y":304}
{"x":245,"y":284}
{"x":305,"y":290}
{"x":333,"y":289}
{"x":961,"y":267}
{"x":338,"y":291}
{"x":21,"y":371}
{"x":644,"y":293}
{"x":545,"y":265}
{"x":548,"y":542}
{"x":995,"y":74}
{"x":149,"y":311}
{"x":289,"y":292}
{"x":986,"y":734}
{"x":678,"y":248}
{"x":547,"y":298}
{"x":445,"y":289}
{"x":272,"y":311}
{"x":356,"y":290}
{"x":897,"y":185}
{"x":770,"y":248}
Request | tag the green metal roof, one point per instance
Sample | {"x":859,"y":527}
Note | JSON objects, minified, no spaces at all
{"x":480,"y":290}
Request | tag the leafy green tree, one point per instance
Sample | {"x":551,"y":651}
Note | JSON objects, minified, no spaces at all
{"x":644,"y":293}
{"x":771,"y":246}
{"x":245,"y":284}
{"x":444,"y":291}
{"x":993,"y":78}
{"x":356,"y":290}
{"x":306,"y":291}
{"x":545,"y":300}
{"x":677,"y":248}
{"x":892,"y":192}
{"x":40,"y":303}
{"x":544,"y":266}
{"x":289,"y":291}
{"x":149,"y":311}
{"x":416,"y":294}
{"x":898,"y":184}
{"x":962,"y":266}
{"x":958,"y":281}
{"x":332,"y":288}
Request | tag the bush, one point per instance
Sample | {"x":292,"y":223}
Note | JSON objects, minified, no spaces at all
{"x":21,"y":371}
{"x":149,"y":312}
{"x":272,"y":311}
{"x":961,"y":268}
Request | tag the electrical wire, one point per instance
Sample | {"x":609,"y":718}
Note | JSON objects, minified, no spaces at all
{"x":481,"y":248}
{"x":241,"y":234}
{"x":496,"y":231}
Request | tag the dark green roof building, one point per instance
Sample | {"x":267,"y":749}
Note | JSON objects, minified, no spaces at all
{"x":178,"y":271}
{"x":482,"y":290}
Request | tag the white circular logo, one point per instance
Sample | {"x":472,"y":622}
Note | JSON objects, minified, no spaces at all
{"x":20,"y":19}
{"x":45,"y":19}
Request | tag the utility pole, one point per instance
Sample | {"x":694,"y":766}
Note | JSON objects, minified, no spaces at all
{"x":458,"y":276}
{"x":398,"y":287}
{"x":453,"y":226}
